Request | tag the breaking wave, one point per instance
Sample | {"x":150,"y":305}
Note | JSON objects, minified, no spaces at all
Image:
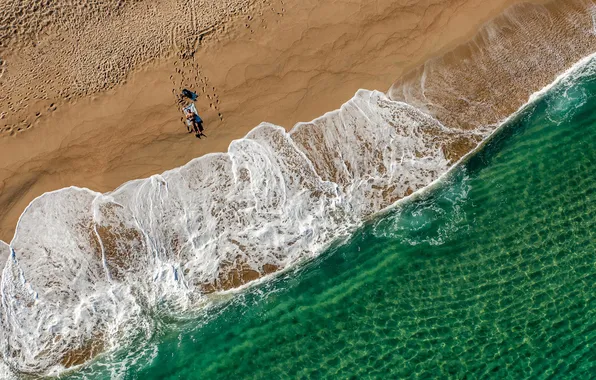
{"x":87,"y":271}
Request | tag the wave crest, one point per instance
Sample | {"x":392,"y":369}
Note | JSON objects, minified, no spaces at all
{"x":87,"y":268}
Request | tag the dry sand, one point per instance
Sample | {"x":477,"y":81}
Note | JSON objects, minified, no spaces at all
{"x":88,"y":94}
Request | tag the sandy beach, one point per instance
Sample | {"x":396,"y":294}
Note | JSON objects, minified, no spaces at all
{"x":79,"y":112}
{"x":90,"y":96}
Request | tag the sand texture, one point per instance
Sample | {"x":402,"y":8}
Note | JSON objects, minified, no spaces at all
{"x":90,"y":97}
{"x":485,"y":80}
{"x":89,"y":92}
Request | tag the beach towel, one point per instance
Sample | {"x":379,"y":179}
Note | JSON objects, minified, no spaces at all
{"x":192,"y":107}
{"x":189,"y":94}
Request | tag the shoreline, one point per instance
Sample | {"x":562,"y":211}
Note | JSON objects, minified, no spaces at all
{"x":98,"y":222}
{"x":421,"y":192}
{"x":534,"y":97}
{"x":107,"y":146}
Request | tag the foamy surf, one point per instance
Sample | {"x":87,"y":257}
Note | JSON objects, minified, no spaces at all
{"x":87,"y":268}
{"x":89,"y":272}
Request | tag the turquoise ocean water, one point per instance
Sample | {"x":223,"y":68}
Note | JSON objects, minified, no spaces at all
{"x":491,"y":273}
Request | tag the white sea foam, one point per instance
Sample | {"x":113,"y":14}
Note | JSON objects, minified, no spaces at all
{"x":89,"y":267}
{"x":89,"y":271}
{"x":429,"y":220}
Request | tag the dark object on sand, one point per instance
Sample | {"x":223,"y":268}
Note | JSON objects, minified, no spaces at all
{"x":189,"y":94}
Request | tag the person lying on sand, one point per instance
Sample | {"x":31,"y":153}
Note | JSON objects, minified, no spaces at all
{"x":197,"y":126}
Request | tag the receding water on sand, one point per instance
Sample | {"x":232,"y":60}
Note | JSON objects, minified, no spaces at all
{"x":491,"y":273}
{"x":121,"y":281}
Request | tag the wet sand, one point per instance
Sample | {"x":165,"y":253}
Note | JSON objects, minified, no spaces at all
{"x":483,"y":81}
{"x":109,"y":119}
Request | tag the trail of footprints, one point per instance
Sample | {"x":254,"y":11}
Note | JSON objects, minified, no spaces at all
{"x":189,"y":75}
{"x":16,"y":115}
{"x":17,"y":104}
{"x":275,"y":7}
{"x":12,"y":127}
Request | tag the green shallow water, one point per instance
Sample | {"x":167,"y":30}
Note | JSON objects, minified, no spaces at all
{"x":490,"y":274}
